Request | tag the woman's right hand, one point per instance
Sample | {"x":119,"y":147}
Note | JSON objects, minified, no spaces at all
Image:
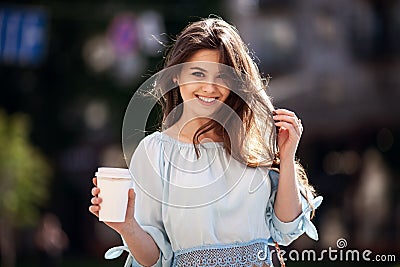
{"x":120,"y":227}
{"x":140,"y":243}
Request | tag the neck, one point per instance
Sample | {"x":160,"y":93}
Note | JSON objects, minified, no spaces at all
{"x":185,"y":130}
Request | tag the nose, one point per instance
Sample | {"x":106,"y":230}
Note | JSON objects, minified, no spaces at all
{"x":209,"y":87}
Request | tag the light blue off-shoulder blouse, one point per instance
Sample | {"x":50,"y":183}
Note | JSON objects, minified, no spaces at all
{"x":210,"y":210}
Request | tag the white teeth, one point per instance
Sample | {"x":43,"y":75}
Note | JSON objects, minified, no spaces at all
{"x":207,"y":99}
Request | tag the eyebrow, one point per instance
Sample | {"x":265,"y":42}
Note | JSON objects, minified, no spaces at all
{"x":198,"y":68}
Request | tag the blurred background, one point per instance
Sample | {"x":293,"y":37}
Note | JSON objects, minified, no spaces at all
{"x":68,"y":70}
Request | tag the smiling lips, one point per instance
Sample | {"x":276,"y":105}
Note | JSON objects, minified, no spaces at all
{"x":206,"y":100}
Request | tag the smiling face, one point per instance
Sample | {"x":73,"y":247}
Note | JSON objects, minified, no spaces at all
{"x":201,"y":83}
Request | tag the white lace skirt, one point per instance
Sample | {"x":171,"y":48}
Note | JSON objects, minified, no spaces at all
{"x":249,"y":254}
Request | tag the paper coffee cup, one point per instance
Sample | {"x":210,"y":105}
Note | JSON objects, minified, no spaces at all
{"x":114,"y":184}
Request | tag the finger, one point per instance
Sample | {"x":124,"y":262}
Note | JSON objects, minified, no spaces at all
{"x":94,"y":180}
{"x":94,"y":210}
{"x":131,"y":198}
{"x":95,"y":191}
{"x":289,"y":126}
{"x":294,"y":128}
{"x":292,"y":120}
{"x":96,"y":200}
{"x":287,"y":115}
{"x":300,"y":125}
{"x":282,"y":111}
{"x":131,"y":203}
{"x":287,"y":118}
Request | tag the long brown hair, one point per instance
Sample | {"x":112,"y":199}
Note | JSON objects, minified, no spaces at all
{"x":255,"y":137}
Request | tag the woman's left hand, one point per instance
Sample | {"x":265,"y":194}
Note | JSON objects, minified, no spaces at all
{"x":289,"y":133}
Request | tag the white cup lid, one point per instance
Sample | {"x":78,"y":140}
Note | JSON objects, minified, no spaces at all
{"x":108,"y":172}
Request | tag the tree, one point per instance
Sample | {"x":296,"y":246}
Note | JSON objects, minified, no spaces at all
{"x":24,"y":178}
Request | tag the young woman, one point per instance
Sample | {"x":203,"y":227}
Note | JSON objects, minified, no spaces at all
{"x":206,"y":189}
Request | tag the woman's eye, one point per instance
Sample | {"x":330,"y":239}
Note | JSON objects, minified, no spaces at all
{"x":198,"y":74}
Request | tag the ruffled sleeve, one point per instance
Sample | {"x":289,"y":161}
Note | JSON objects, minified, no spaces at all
{"x":146,"y":166}
{"x":285,"y":233}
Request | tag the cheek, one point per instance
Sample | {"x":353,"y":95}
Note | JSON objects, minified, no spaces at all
{"x":225,"y":92}
{"x":186,"y":92}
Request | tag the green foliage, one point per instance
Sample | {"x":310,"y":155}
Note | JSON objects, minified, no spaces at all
{"x":24,"y":172}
